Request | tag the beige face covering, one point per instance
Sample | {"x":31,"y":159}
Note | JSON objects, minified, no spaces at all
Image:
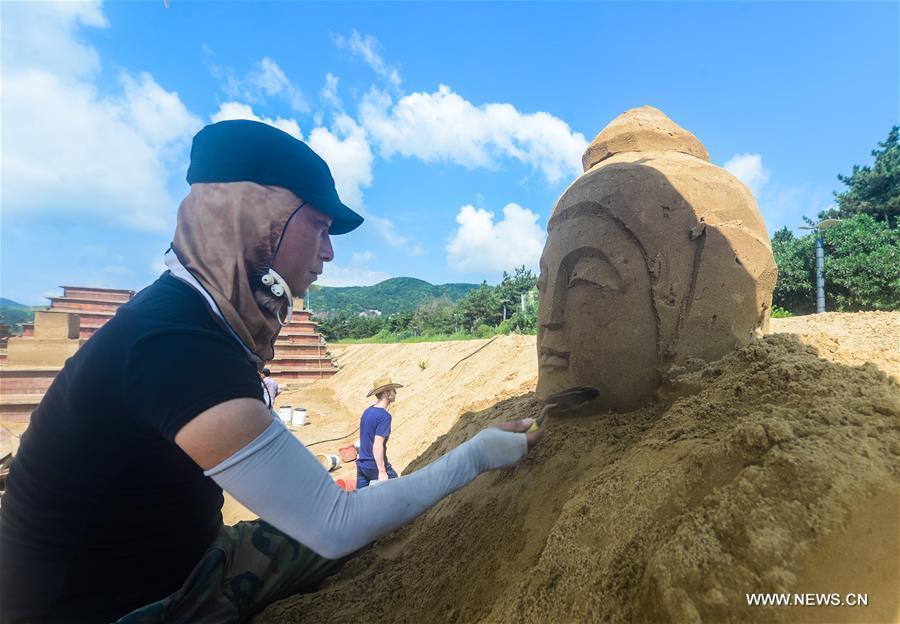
{"x":226,"y":237}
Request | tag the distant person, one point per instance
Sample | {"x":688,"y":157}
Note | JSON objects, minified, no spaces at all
{"x":374,"y":431}
{"x":135,"y":533}
{"x":271,"y":387}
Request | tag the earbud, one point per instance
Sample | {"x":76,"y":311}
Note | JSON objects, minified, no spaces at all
{"x":279,"y":288}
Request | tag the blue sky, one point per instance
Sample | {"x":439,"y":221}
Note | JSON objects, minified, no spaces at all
{"x":453,"y":127}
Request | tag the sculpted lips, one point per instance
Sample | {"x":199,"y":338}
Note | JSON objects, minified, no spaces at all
{"x":551,"y":358}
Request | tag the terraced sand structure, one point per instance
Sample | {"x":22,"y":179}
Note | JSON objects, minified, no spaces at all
{"x":94,"y":307}
{"x":301,"y":354}
{"x":31,"y":362}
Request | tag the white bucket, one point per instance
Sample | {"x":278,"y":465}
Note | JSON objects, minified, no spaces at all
{"x":284,"y":413}
{"x":329,"y":462}
{"x":299,"y":417}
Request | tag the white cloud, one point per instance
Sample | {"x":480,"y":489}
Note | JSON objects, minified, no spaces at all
{"x":238,"y":110}
{"x":443,"y":126}
{"x":269,"y":78}
{"x":366,"y":48}
{"x":481,"y":245}
{"x":357,"y":273}
{"x":329,"y":94}
{"x":336,"y":275}
{"x":346,"y":150}
{"x":266,"y":80}
{"x":70,"y":151}
{"x":45,"y":35}
{"x":748,"y":168}
{"x":387,"y":231}
{"x":158,"y":115}
{"x":361,"y":257}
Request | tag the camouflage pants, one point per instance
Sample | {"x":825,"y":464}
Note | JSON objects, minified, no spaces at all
{"x":247,"y":567}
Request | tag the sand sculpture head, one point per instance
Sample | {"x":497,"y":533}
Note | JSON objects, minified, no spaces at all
{"x":654,"y":256}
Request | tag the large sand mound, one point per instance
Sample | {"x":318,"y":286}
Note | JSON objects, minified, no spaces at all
{"x":769,"y":470}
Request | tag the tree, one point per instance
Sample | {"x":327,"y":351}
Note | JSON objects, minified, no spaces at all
{"x":480,"y":307}
{"x":399,"y":321}
{"x":862,"y":267}
{"x":795,"y":258}
{"x":435,"y":317}
{"x":526,"y":322}
{"x":512,"y":287}
{"x":873,"y":190}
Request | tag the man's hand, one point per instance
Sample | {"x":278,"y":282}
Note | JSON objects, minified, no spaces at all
{"x":521,"y":426}
{"x":383,"y":476}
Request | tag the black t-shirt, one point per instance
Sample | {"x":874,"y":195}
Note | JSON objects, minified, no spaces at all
{"x":103,"y":512}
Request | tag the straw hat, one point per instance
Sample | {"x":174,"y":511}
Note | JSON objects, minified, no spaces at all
{"x":381,"y":384}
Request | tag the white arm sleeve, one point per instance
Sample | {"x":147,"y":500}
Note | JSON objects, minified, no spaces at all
{"x":276,"y":477}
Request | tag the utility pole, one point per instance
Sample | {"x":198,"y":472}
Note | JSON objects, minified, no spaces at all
{"x":820,"y":260}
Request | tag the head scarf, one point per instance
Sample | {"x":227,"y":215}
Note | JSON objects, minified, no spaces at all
{"x":226,"y":237}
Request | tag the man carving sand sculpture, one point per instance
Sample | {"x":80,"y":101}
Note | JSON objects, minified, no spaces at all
{"x":654,"y":256}
{"x":113,"y":503}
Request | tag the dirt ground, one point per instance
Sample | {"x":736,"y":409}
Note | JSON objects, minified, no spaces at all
{"x":775,"y":469}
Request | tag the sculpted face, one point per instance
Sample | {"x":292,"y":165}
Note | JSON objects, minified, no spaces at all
{"x":655,"y":259}
{"x":595,"y":310}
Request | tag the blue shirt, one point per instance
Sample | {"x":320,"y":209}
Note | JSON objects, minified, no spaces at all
{"x":374,"y":421}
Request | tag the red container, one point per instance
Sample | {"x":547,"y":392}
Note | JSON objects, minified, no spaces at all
{"x":347,"y":484}
{"x":347,"y":453}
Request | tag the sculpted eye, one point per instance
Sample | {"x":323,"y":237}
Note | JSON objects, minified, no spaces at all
{"x":596,"y":273}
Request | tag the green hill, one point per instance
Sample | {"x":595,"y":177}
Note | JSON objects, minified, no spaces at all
{"x":393,"y":295}
{"x":14,"y":313}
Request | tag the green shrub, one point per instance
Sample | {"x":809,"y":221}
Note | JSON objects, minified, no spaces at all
{"x":862,"y":267}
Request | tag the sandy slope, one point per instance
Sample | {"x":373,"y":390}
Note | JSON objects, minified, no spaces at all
{"x":850,"y":338}
{"x":770,"y":470}
{"x":434,"y":398}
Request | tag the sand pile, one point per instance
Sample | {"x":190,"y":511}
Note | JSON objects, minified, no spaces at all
{"x":852,"y":339}
{"x":770,"y":470}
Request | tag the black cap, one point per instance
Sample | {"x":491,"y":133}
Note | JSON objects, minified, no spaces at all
{"x":249,"y":151}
